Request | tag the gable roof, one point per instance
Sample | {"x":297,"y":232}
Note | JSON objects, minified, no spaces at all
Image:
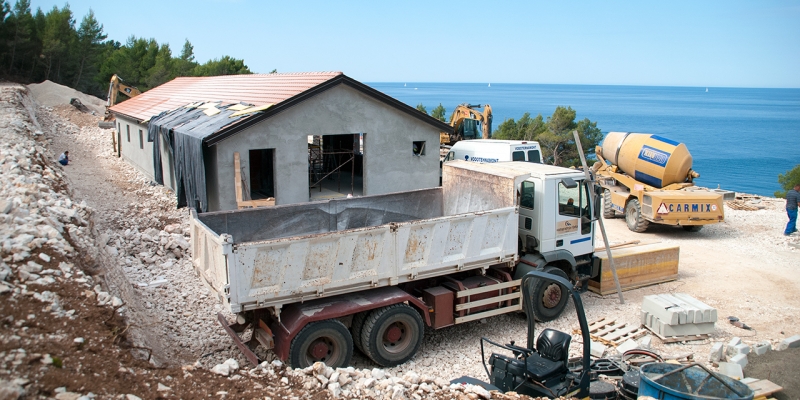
{"x":256,"y":89}
{"x":277,"y":92}
{"x":338,"y":80}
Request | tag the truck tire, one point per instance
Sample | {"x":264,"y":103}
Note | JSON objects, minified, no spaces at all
{"x":608,"y":210}
{"x":692,"y":228}
{"x":327,"y":341}
{"x":634,"y":218}
{"x":392,"y":334}
{"x":356,"y":327}
{"x":550,"y":298}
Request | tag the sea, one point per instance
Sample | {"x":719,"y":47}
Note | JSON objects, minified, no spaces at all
{"x":740,"y":138}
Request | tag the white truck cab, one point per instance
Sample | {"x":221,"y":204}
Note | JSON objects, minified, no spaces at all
{"x":492,"y":151}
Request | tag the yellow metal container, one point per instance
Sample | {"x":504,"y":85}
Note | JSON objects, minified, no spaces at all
{"x":650,"y":159}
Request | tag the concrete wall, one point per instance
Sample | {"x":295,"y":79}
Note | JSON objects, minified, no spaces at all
{"x":389,"y":162}
{"x":140,"y":156}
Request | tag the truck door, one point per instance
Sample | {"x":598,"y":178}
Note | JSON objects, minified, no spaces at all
{"x":574,"y":228}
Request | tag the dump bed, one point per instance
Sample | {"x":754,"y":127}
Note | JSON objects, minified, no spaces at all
{"x":268,"y":257}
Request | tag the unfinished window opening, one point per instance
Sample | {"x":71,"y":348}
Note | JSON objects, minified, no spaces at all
{"x":418,"y":147}
{"x":128,"y":128}
{"x":141,"y":139}
{"x":262,"y":174}
{"x":335,"y":165}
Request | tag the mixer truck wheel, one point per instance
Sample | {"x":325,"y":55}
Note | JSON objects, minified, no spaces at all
{"x":550,"y":298}
{"x":634,"y":218}
{"x":608,"y":210}
{"x":392,"y":334}
{"x":327,"y":341}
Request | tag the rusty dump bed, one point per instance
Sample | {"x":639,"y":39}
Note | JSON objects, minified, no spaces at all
{"x":268,"y":257}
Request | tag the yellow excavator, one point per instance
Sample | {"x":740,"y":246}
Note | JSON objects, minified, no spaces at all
{"x":114,"y":88}
{"x":469,"y":122}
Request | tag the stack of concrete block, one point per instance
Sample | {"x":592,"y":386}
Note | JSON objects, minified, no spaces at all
{"x":677,"y":315}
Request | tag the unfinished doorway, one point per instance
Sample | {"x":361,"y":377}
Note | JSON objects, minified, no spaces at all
{"x":262,"y":174}
{"x":335,"y":165}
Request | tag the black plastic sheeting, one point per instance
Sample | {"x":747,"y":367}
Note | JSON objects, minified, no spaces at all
{"x":325,"y":216}
{"x":184,"y":130}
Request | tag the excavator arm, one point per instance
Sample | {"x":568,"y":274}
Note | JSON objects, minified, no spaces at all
{"x":114,"y":88}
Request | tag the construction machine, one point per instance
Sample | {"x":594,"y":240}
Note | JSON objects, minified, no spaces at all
{"x":114,"y":88}
{"x":468,"y":123}
{"x":649,"y":179}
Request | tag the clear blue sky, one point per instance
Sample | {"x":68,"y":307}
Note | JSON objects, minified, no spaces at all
{"x":672,"y":43}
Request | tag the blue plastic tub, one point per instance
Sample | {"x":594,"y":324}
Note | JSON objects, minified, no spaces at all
{"x":689,"y":382}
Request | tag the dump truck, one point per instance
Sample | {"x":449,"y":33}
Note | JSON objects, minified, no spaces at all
{"x":649,"y":179}
{"x":311,"y":281}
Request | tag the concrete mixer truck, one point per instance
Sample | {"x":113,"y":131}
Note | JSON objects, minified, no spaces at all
{"x":649,"y":179}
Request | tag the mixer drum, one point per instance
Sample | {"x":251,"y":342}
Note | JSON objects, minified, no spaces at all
{"x":650,"y":159}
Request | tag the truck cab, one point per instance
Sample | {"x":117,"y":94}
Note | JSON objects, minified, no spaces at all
{"x":556,"y":229}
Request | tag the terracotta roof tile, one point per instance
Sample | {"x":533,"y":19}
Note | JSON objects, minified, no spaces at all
{"x":256,"y":89}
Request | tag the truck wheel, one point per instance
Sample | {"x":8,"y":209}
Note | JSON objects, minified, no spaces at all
{"x":357,"y":327}
{"x":392,"y":334}
{"x":634,"y":218}
{"x":550,"y":298}
{"x":608,"y":211}
{"x":327,"y":341}
{"x":692,"y":228}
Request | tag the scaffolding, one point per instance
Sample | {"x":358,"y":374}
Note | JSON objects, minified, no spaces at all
{"x":324,"y":164}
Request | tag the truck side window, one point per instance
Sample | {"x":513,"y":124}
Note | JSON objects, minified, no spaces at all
{"x":569,"y":200}
{"x":526,"y":199}
{"x":518,"y":156}
{"x":534,"y":156}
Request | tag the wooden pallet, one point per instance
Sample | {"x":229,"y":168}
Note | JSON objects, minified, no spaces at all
{"x":675,"y":339}
{"x":741,"y":205}
{"x":612,"y":333}
{"x":763,"y":388}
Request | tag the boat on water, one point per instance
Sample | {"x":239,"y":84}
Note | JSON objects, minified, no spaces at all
{"x":490,"y":85}
{"x":706,"y":90}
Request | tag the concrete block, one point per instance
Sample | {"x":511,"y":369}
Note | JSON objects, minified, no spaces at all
{"x":645,"y":315}
{"x":662,"y":309}
{"x":688,"y":308}
{"x":731,"y":345}
{"x":686,"y":329}
{"x":789,"y":343}
{"x":706,"y":312}
{"x":740,"y":359}
{"x":741,"y":349}
{"x":597,"y":349}
{"x":629,"y":344}
{"x":646,"y":342}
{"x":716,"y":354}
{"x":731,"y":369}
{"x":762,"y":347}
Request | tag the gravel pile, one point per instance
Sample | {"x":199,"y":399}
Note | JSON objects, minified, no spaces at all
{"x":51,"y":94}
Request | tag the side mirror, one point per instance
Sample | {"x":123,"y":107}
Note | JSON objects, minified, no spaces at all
{"x":569,"y":183}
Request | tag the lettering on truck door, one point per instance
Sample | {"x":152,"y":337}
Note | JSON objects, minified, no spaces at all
{"x":574,"y":219}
